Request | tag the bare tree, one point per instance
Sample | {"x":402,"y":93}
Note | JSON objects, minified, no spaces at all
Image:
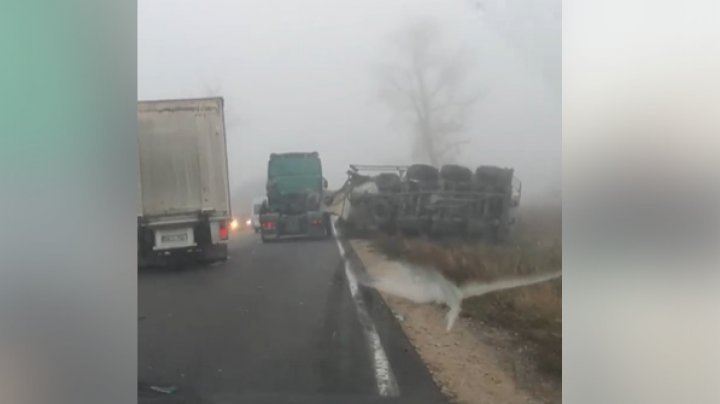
{"x":214,"y":89}
{"x":425,"y":85}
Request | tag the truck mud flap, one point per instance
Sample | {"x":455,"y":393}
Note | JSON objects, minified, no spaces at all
{"x":214,"y":253}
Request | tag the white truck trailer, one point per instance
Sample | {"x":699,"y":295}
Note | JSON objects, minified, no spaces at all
{"x":184,"y":208}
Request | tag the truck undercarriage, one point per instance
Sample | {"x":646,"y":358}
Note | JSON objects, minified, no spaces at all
{"x":422,"y":200}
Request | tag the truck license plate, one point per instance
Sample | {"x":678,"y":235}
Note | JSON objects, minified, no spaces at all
{"x":174,"y":238}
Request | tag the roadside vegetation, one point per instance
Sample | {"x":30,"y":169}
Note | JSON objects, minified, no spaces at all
{"x":533,"y":313}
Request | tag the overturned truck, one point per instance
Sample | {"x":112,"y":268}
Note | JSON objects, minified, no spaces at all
{"x":422,"y":200}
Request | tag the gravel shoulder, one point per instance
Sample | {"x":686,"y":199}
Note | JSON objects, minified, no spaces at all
{"x":473,"y":363}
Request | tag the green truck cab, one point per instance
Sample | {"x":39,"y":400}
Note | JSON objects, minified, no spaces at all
{"x":295,"y":188}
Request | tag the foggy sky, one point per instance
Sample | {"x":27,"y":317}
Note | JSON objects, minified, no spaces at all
{"x":297,"y":75}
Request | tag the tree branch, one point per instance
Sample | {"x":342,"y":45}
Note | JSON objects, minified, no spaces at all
{"x":428,"y":84}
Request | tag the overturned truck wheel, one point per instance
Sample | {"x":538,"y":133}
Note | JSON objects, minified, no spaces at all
{"x":388,"y":182}
{"x":456,"y":177}
{"x":383,"y":214}
{"x":456,"y":173}
{"x":422,"y":173}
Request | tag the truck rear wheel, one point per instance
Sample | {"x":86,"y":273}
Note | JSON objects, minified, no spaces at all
{"x":328,"y":226}
{"x":382,"y":212}
{"x":215,"y":253}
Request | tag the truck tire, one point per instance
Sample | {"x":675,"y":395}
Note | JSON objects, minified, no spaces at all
{"x":388,"y":182}
{"x":215,"y":253}
{"x":456,"y":178}
{"x":456,"y":173}
{"x":381,"y":210}
{"x":422,"y":177}
{"x":328,"y":226}
{"x":422,"y":173}
{"x":485,"y":178}
{"x":493,"y":179}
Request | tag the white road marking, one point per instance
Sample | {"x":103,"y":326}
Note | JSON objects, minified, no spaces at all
{"x":384,"y":376}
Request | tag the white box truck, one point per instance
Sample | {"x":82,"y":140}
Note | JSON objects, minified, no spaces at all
{"x":184,"y":207}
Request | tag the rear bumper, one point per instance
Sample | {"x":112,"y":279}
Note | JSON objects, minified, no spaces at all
{"x":274,"y":224}
{"x":181,"y":235}
{"x":178,"y":251}
{"x":211,"y":253}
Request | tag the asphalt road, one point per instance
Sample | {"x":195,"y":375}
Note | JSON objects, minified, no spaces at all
{"x":275,"y":323}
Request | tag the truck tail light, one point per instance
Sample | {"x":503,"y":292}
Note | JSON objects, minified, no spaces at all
{"x":223,"y":231}
{"x":268,"y":225}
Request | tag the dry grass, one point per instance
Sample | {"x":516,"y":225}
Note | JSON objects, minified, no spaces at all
{"x":463,"y":262}
{"x":533,"y":313}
